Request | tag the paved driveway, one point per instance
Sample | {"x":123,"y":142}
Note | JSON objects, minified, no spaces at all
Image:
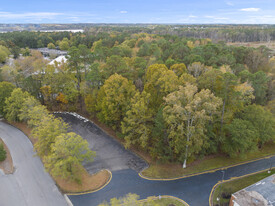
{"x":110,"y":154}
{"x":194,"y":190}
{"x":29,"y":185}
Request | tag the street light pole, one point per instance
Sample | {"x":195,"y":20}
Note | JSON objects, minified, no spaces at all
{"x":218,"y":199}
{"x":270,"y":166}
{"x":223,"y":175}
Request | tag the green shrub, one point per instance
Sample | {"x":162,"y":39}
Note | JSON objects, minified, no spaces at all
{"x":3,"y":153}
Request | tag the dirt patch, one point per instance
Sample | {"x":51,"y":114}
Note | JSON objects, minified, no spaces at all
{"x":89,"y":182}
{"x":6,"y":165}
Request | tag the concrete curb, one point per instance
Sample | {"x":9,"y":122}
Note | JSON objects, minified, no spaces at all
{"x":231,"y":179}
{"x":68,"y":200}
{"x":93,"y":191}
{"x":165,"y":196}
{"x":204,"y":172}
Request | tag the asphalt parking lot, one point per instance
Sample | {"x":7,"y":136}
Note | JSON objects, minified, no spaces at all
{"x":110,"y":154}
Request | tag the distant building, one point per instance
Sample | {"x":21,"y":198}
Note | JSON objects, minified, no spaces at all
{"x":261,"y":193}
{"x":58,"y":60}
{"x":48,"y":52}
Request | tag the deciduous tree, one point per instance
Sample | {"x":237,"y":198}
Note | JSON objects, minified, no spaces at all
{"x":159,"y":81}
{"x":46,"y":133}
{"x":114,"y":100}
{"x":179,"y":69}
{"x":186,"y":112}
{"x":14,"y":104}
{"x":262,"y":120}
{"x":241,"y":137}
{"x":68,"y":152}
{"x":6,"y":89}
{"x":137,"y":124}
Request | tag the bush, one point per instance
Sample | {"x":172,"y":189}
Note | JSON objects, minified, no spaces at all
{"x":3,"y":153}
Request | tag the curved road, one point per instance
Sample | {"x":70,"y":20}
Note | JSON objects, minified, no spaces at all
{"x":194,"y":190}
{"x":29,"y":185}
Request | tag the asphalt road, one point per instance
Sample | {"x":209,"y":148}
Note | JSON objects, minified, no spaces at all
{"x":29,"y":185}
{"x":194,"y":190}
{"x":110,"y":154}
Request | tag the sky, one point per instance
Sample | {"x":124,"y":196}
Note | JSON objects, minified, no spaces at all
{"x":138,"y":11}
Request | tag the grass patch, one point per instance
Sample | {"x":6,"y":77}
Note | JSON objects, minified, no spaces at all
{"x":224,"y":190}
{"x":166,"y":201}
{"x":7,"y":164}
{"x":3,"y":153}
{"x":173,"y":170}
{"x":133,"y":199}
{"x":89,"y":182}
{"x":157,"y":170}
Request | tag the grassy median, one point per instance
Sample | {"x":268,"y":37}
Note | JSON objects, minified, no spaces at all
{"x":163,"y":202}
{"x":6,"y":165}
{"x":158,"y":170}
{"x":223,"y":191}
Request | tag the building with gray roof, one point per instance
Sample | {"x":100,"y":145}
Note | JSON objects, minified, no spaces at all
{"x":261,"y":193}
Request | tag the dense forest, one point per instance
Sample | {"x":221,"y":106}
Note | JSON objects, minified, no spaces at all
{"x":177,"y":96}
{"x":216,"y":32}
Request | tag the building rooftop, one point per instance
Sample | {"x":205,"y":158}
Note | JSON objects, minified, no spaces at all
{"x":59,"y":60}
{"x":261,"y":193}
{"x":47,"y":52}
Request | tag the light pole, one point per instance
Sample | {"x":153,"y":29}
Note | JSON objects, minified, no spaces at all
{"x":223,"y":175}
{"x":270,"y":165}
{"x":218,"y":199}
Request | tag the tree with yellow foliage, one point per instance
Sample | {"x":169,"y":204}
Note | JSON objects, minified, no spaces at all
{"x":186,"y":112}
{"x":114,"y":100}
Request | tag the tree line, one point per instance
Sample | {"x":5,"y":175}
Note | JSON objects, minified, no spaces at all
{"x":92,"y":33}
{"x":61,"y":151}
{"x":178,"y":99}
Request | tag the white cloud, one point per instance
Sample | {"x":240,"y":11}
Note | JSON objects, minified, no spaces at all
{"x":216,"y":17}
{"x":123,"y":12}
{"x":40,"y":15}
{"x":221,"y":18}
{"x":250,"y":9}
{"x":74,"y":18}
{"x":192,"y":16}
